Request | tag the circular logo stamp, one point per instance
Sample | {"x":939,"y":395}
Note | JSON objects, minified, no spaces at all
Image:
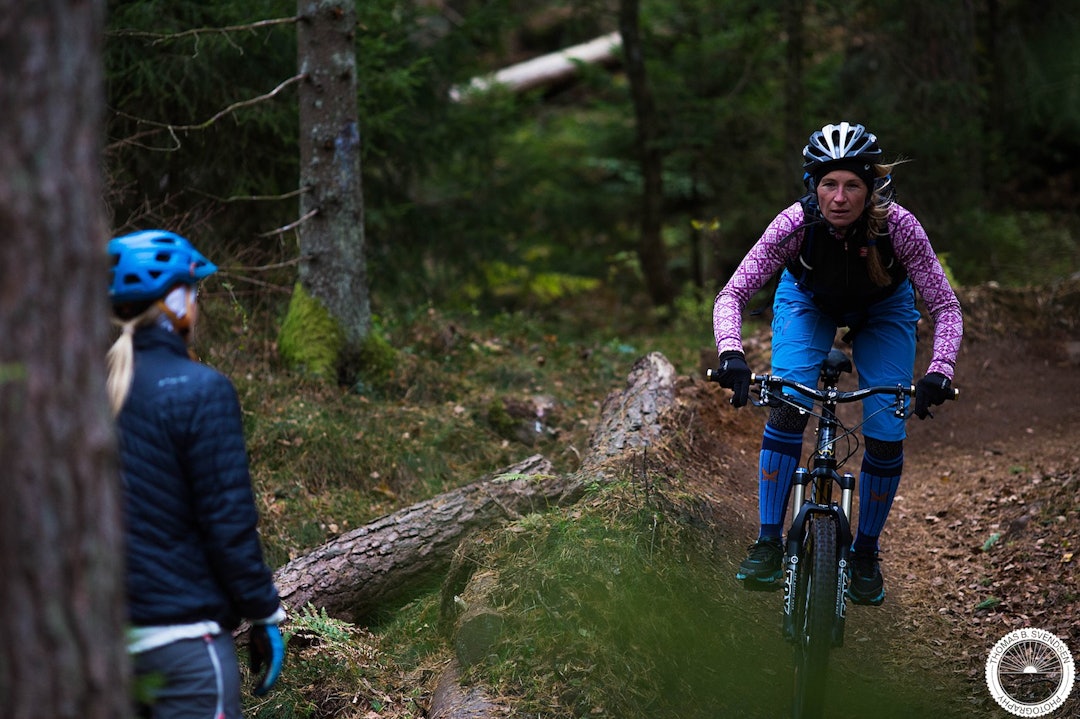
{"x":1030,"y":672}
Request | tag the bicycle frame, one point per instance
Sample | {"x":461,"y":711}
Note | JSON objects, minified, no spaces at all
{"x":819,"y":537}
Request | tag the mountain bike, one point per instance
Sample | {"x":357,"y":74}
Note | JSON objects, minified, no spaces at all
{"x":816,"y":555}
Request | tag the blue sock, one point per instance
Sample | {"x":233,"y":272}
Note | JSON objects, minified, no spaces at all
{"x":878,"y":481}
{"x":779,"y":458}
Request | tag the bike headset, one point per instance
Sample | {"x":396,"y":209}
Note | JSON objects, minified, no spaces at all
{"x":147,"y":265}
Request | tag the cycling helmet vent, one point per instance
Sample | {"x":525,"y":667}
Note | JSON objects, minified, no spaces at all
{"x":147,"y":264}
{"x":841,"y":142}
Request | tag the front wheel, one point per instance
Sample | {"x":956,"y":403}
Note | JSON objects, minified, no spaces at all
{"x":815,"y":612}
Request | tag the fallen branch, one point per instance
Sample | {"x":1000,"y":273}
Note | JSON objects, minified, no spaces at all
{"x":546,"y":69}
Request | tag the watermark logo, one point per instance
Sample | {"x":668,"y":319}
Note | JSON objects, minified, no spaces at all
{"x":1030,"y":672}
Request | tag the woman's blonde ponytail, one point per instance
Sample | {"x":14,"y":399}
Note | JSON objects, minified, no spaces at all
{"x":121,"y":357}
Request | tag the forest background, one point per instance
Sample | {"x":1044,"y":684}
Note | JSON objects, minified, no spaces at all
{"x":503,"y":233}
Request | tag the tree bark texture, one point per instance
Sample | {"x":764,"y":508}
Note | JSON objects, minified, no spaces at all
{"x":61,"y":630}
{"x":332,"y":244}
{"x":386,"y":560}
{"x":631,"y":419}
{"x":651,"y":253}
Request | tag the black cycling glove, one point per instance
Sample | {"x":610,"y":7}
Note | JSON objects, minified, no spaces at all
{"x":932,"y":389}
{"x":734,"y":374}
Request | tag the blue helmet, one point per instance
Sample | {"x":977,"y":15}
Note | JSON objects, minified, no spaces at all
{"x":147,"y":264}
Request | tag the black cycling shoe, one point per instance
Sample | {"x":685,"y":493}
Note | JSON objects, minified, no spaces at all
{"x":866,"y":585}
{"x":763,"y":565}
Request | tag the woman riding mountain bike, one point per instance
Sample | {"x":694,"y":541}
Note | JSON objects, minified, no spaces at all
{"x":849,"y":256}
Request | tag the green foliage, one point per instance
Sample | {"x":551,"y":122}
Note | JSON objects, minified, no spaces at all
{"x":460,"y":196}
{"x":328,"y":670}
{"x":310,"y":339}
{"x":521,"y":286}
{"x":607,"y":616}
{"x":1012,"y":248}
{"x":617,"y":608}
{"x":377,"y":360}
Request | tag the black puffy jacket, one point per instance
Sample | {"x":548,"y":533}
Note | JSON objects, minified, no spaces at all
{"x":193,"y":552}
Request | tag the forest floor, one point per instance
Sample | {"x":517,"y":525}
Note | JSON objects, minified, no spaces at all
{"x":980,"y":542}
{"x":982,"y":535}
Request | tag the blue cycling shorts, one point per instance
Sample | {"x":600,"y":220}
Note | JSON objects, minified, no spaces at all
{"x":882,"y":347}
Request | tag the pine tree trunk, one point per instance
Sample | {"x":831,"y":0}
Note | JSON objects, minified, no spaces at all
{"x":332,"y":245}
{"x":61,"y":629}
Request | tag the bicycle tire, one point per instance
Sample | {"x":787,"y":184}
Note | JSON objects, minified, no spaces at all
{"x":815,"y":614}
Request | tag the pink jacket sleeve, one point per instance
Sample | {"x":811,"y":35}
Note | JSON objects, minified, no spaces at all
{"x":768,"y":256}
{"x":913,"y":249}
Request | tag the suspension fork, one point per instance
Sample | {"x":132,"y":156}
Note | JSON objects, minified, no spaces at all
{"x":820,"y":478}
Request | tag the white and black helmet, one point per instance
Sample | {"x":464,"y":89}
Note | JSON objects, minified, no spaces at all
{"x":847,"y":146}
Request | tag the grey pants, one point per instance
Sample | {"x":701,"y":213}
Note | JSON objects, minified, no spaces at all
{"x":191,"y":679}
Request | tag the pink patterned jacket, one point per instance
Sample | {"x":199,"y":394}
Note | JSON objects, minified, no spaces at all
{"x":912,"y":248}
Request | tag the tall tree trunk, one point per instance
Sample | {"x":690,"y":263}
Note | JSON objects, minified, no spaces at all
{"x":62,"y":652}
{"x":651,"y":252}
{"x":334,"y":266}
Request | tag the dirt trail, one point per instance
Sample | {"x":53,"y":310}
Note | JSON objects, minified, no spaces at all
{"x":983,"y":531}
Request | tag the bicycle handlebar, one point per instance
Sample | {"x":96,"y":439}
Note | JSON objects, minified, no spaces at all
{"x":834,"y":395}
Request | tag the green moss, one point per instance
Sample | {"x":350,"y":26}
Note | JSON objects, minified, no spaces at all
{"x":377,"y":359}
{"x":310,"y":340}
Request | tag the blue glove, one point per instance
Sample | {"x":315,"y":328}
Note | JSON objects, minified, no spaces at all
{"x":266,"y":653}
{"x":734,"y":374}
{"x":934,"y":388}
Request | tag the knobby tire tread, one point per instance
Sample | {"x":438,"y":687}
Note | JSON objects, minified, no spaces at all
{"x":816,"y":615}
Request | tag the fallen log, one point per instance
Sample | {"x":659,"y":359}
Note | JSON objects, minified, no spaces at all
{"x":387,"y":559}
{"x":545,"y":70}
{"x":631,"y":419}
